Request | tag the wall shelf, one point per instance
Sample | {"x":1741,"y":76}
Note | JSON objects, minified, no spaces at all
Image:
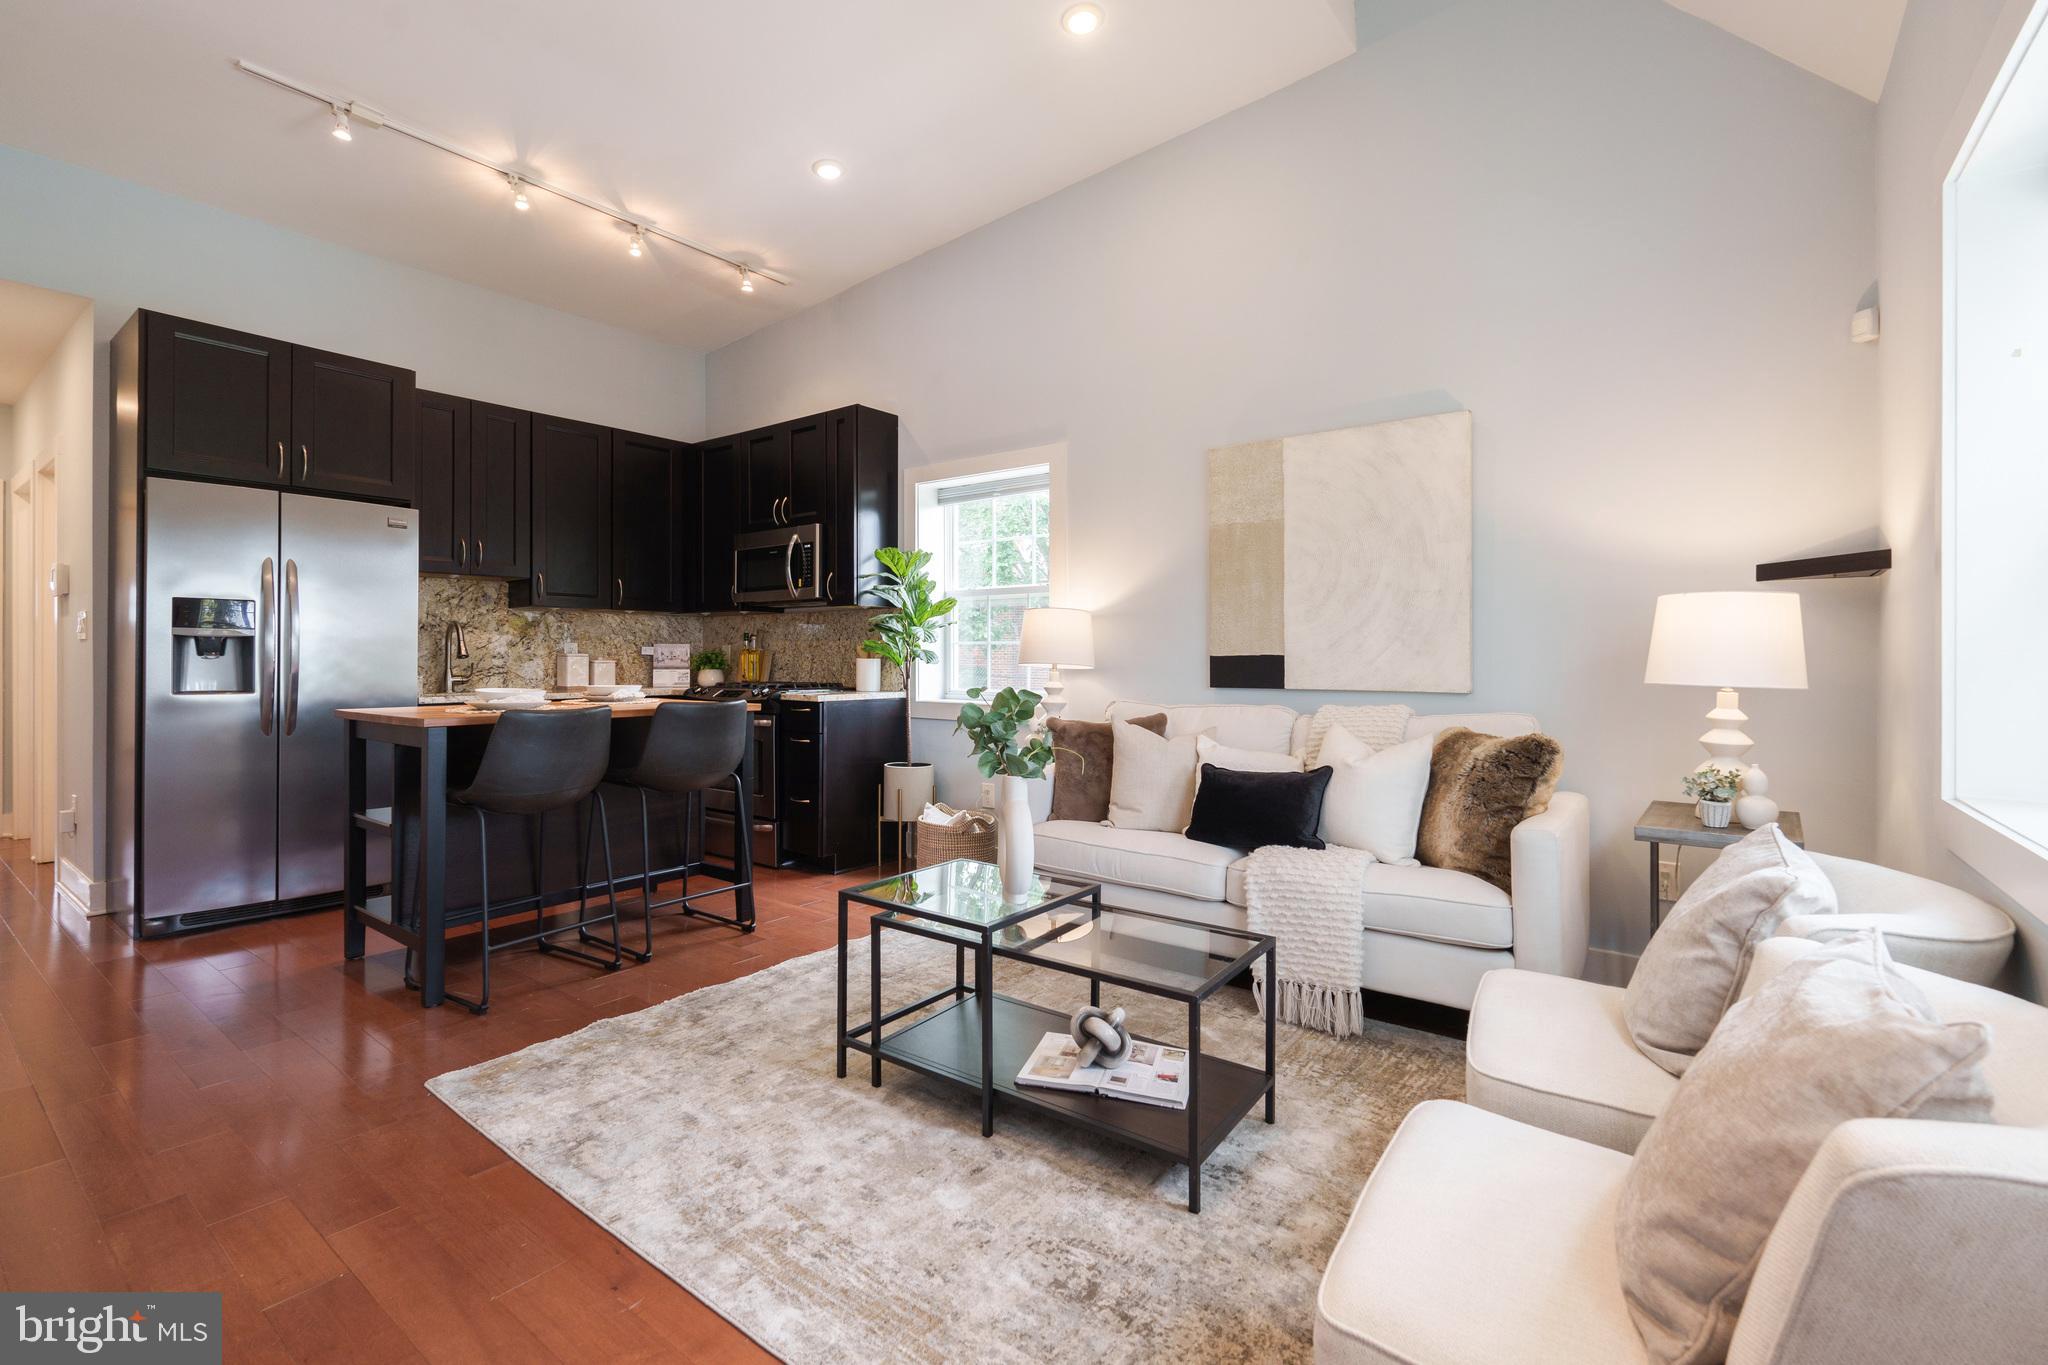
{"x":1861,"y":564}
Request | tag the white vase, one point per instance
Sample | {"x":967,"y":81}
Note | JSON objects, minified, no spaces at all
{"x":867,"y":675}
{"x":1754,"y":809}
{"x":710,"y":677}
{"x":1014,"y":851}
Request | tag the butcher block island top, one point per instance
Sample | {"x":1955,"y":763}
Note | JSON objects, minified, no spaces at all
{"x":451,"y":716}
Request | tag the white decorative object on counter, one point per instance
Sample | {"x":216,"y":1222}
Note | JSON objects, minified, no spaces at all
{"x":604,"y":672}
{"x":710,"y":677}
{"x":1014,"y":838}
{"x":1754,"y":808}
{"x":571,"y":668}
{"x":867,"y":675}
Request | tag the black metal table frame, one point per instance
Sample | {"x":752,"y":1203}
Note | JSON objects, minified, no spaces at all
{"x":986,"y":951}
{"x":420,"y":755}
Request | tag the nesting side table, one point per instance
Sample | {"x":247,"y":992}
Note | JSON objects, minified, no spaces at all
{"x":1674,"y":822}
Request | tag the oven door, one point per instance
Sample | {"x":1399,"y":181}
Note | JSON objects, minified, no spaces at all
{"x":778,"y":568}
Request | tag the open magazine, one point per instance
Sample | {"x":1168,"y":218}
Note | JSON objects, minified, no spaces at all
{"x":1150,"y":1073}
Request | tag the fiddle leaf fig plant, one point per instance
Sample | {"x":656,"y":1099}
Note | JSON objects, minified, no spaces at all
{"x":903,"y":634}
{"x":1003,"y":730}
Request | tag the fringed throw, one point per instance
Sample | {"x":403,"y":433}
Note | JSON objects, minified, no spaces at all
{"x":1312,"y":901}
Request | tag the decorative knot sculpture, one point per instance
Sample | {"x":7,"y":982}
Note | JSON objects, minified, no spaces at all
{"x":1101,"y":1035}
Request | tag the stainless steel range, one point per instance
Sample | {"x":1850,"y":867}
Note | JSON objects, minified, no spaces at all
{"x":765,"y":827}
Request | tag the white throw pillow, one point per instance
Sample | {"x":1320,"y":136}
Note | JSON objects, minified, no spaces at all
{"x":1152,"y":780}
{"x":1692,"y":969}
{"x":1209,"y":751}
{"x":1374,"y":800}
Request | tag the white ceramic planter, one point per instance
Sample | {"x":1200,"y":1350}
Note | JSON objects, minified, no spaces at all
{"x":906,"y":788}
{"x":1714,"y":814}
{"x":867,"y":675}
{"x":1014,"y":839}
{"x":710,"y":677}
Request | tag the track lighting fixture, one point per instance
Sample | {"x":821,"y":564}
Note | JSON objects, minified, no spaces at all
{"x":350,"y":114}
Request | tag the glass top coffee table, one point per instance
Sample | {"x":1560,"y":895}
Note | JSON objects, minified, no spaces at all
{"x":976,"y":1038}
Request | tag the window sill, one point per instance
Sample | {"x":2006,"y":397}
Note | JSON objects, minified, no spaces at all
{"x":2006,"y":842}
{"x":935,"y":709}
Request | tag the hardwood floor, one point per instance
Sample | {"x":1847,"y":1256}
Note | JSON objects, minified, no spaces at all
{"x":244,"y":1111}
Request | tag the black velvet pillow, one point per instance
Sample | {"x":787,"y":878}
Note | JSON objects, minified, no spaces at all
{"x":1253,"y":810}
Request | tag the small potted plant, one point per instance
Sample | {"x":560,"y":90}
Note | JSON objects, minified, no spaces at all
{"x":1714,"y":789}
{"x":709,"y":666}
{"x":1012,"y":748}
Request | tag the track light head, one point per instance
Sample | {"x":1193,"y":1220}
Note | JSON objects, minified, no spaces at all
{"x":341,"y":132}
{"x":746,"y":280}
{"x":638,"y":246}
{"x":518,"y":193}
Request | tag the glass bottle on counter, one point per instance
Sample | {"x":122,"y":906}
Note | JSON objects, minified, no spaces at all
{"x":753,"y":660}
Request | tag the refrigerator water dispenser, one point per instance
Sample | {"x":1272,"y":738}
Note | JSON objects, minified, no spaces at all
{"x":213,"y":645}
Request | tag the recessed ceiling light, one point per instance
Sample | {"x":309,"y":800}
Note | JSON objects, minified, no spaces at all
{"x":341,"y":132}
{"x":1081,"y":20}
{"x":827,"y":169}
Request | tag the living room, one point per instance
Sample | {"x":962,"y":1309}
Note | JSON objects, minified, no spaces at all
{"x":1511,"y":390}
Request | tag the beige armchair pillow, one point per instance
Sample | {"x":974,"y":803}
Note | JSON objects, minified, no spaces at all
{"x":1836,"y":1036}
{"x":1152,"y":780}
{"x":1692,"y":969}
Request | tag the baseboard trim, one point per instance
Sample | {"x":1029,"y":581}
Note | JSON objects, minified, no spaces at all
{"x":1608,"y":967}
{"x":87,"y":896}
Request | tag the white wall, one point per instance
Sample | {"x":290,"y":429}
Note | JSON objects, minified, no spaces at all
{"x":6,"y":630}
{"x":1949,"y":52}
{"x":1627,"y":241}
{"x":127,"y":247}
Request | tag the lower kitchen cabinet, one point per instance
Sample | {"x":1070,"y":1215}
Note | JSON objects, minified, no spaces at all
{"x":829,"y":769}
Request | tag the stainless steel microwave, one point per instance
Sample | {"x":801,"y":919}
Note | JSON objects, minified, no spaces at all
{"x":780,"y":567}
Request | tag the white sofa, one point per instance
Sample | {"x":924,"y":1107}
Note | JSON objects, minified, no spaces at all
{"x":1480,"y":1238}
{"x":1433,"y":933}
{"x":1557,"y":1054}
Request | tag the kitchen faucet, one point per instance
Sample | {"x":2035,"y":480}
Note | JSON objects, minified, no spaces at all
{"x":453,"y":647}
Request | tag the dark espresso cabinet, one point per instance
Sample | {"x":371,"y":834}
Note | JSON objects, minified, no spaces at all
{"x":245,"y":409}
{"x":718,"y":482}
{"x":645,"y":549}
{"x":789,"y":474}
{"x":475,"y":487}
{"x":861,"y":517}
{"x":441,"y":445}
{"x":829,"y":766}
{"x":764,"y":477}
{"x":572,"y":523}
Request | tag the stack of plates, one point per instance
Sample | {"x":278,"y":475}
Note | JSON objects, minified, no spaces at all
{"x":510,"y":698}
{"x":612,"y":691}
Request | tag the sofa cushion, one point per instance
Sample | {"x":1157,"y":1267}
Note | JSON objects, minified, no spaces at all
{"x":1375,"y":799}
{"x":1839,"y":1035}
{"x":1271,"y":728}
{"x":1554,"y":1051}
{"x":1083,"y":758}
{"x":1236,"y":810}
{"x":1152,"y":782}
{"x":1423,"y":902}
{"x":1693,"y":966}
{"x":1156,"y":860}
{"x":1480,"y":788}
{"x":1479,"y":1239}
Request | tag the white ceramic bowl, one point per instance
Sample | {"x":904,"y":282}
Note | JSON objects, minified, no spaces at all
{"x":616,"y":691}
{"x":500,"y":693}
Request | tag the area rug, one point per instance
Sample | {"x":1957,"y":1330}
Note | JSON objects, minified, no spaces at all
{"x":832,"y":1221}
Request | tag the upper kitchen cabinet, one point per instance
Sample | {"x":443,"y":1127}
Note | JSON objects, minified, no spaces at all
{"x":813,"y":472}
{"x":352,"y":426}
{"x":218,"y":403}
{"x":861,"y":516}
{"x":718,"y":485}
{"x":764,"y":478}
{"x":572,"y":523}
{"x":441,"y":443}
{"x":500,"y":491}
{"x":645,"y":546}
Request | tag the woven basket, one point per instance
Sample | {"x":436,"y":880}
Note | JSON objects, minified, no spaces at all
{"x":975,"y":839}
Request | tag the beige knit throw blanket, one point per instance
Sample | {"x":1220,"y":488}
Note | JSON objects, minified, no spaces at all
{"x":1312,"y":901}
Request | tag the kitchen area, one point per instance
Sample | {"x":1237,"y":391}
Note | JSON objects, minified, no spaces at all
{"x":307,"y":538}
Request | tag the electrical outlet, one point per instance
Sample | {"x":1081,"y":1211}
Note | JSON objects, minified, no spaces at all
{"x":988,"y":796}
{"x":1667,"y":879}
{"x":81,"y":625}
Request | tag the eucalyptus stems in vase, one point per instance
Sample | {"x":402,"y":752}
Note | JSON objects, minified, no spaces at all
{"x":1013,"y":748}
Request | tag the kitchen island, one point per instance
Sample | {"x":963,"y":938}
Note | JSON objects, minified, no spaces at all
{"x":444,"y":888}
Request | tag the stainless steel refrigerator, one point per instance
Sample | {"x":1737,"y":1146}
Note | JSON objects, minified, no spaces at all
{"x":258,"y":613}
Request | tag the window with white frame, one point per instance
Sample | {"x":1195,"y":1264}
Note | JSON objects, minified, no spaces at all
{"x":991,"y":541}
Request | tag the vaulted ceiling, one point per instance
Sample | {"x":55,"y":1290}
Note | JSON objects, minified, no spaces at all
{"x":1848,"y":42}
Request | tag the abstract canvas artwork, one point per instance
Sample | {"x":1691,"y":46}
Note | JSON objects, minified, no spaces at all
{"x":1342,"y":561}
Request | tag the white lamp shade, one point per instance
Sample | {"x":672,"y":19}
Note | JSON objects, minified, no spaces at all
{"x":1727,"y":639}
{"x":1061,"y":636}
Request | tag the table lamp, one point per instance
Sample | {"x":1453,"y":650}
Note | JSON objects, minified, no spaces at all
{"x":1062,"y":637}
{"x":1728,"y":640}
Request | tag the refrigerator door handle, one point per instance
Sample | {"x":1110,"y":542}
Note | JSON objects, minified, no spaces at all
{"x":266,"y":647}
{"x":291,"y":629}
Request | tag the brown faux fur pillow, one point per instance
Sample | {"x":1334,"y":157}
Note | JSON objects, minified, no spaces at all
{"x":1480,"y":788}
{"x":1083,"y":758}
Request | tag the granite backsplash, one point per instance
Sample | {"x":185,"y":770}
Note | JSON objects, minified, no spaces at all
{"x":515,"y":646}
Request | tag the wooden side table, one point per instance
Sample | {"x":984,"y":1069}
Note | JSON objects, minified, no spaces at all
{"x":1674,"y":822}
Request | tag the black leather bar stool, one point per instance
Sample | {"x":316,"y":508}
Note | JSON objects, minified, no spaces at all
{"x":686,"y":749}
{"x":536,"y":762}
